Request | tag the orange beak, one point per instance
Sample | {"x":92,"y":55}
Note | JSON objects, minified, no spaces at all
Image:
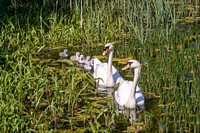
{"x":105,"y":52}
{"x":126,"y":67}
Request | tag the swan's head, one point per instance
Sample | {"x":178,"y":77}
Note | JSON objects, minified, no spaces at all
{"x":131,"y":64}
{"x":65,"y":51}
{"x":82,"y":58}
{"x":77,"y":54}
{"x":107,"y":48}
{"x":88,"y":58}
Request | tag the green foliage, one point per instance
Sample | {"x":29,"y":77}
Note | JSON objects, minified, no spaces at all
{"x":38,"y":97}
{"x":29,"y":88}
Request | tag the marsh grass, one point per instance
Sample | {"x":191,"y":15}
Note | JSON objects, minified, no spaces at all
{"x":170,"y":72}
{"x":38,"y":93}
{"x":28,"y":88}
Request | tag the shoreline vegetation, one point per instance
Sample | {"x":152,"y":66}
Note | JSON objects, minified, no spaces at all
{"x":40,"y":92}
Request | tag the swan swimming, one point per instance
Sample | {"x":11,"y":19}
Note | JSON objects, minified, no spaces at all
{"x":87,"y":60}
{"x":88,"y":63}
{"x":81,"y":59}
{"x":108,"y":75}
{"x":64,"y":53}
{"x":75,"y":57}
{"x":128,"y":93}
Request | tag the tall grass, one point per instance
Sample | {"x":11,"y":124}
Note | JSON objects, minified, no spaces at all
{"x":170,"y":72}
{"x":101,"y":21}
{"x":35,"y":96}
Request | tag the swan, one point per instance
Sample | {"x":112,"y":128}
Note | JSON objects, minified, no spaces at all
{"x":95,"y":62}
{"x":128,"y":93}
{"x":81,"y":59}
{"x":107,"y":74}
{"x":75,"y":57}
{"x":88,"y":63}
{"x":64,"y":53}
{"x":87,"y":60}
{"x":80,"y":62}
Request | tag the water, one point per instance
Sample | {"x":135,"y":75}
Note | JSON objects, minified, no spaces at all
{"x":169,"y":81}
{"x":102,"y":98}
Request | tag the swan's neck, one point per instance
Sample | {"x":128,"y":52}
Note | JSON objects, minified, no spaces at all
{"x":110,"y":81}
{"x":135,"y":81}
{"x":77,"y":57}
{"x":131,"y":103}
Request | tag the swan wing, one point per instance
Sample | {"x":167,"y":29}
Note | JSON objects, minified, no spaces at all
{"x":139,"y":96}
{"x":100,"y":71}
{"x":116,"y":75}
{"x":96,"y":62}
{"x":123,"y":92}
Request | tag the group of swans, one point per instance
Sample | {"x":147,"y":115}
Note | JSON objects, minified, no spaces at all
{"x":79,"y":59}
{"x":128,"y":94}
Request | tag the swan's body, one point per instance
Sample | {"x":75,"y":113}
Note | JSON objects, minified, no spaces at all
{"x":88,"y":63}
{"x":80,"y":62}
{"x":107,"y":74}
{"x":95,"y":62}
{"x":101,"y":72}
{"x":87,"y":67}
{"x":128,"y":93}
{"x":81,"y":59}
{"x":122,"y":94}
{"x":64,"y":53}
{"x":75,"y":57}
{"x":87,"y":60}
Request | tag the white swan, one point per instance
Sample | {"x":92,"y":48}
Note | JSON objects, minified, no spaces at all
{"x":95,"y":62}
{"x":128,"y":93}
{"x":64,"y":53}
{"x":107,"y":74}
{"x":75,"y":57}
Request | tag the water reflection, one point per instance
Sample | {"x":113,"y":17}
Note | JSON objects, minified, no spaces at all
{"x":129,"y":113}
{"x":100,"y":101}
{"x":105,"y":91}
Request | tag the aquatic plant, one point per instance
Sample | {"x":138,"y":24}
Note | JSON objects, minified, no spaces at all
{"x":38,"y":93}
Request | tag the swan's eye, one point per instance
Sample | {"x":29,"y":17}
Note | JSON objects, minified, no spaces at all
{"x":105,"y":48}
{"x":129,"y":63}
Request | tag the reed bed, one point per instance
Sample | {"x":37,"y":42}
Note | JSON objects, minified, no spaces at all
{"x":36,"y":96}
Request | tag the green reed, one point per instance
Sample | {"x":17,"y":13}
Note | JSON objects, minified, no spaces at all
{"x":173,"y":67}
{"x":30,"y":86}
{"x":123,"y":14}
{"x":37,"y":97}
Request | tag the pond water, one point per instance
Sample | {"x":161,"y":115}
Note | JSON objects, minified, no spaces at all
{"x":99,"y":99}
{"x":168,"y":78}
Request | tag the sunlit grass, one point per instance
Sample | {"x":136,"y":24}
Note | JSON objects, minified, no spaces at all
{"x":39,"y":92}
